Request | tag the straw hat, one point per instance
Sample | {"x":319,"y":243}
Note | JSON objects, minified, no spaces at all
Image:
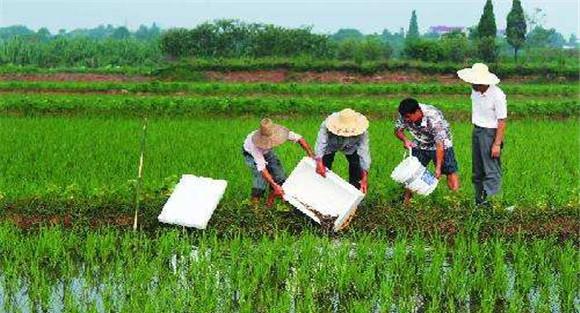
{"x":478,"y":74}
{"x":269,"y":135}
{"x":347,"y":123}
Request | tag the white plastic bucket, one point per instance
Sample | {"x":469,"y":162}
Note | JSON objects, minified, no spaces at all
{"x":411,"y":173}
{"x":408,"y":169}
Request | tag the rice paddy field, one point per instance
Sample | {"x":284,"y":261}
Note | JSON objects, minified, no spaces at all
{"x":69,"y":154}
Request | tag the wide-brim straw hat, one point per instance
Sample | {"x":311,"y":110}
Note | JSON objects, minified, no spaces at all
{"x":270,"y":135}
{"x":478,"y":74}
{"x":347,"y":123}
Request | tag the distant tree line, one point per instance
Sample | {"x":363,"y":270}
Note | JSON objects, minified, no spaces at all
{"x":96,"y":47}
{"x":149,"y":45}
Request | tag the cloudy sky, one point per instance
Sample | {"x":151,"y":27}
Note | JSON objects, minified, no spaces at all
{"x":324,"y":15}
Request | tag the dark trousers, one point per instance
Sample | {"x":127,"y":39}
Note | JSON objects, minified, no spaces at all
{"x":354,"y":169}
{"x":486,"y":171}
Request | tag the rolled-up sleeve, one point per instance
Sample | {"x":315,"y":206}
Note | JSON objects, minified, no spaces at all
{"x":364,"y":152}
{"x":500,"y":105}
{"x":259,"y":159}
{"x":399,"y":123}
{"x":292,"y":136}
{"x":321,"y":141}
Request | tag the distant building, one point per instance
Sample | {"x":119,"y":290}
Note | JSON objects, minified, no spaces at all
{"x":442,"y":29}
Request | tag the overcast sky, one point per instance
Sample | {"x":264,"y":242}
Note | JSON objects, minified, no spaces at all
{"x":324,"y":15}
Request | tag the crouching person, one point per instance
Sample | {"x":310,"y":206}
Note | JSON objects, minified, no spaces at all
{"x":433,"y":140}
{"x":347,"y":132}
{"x":264,"y":164}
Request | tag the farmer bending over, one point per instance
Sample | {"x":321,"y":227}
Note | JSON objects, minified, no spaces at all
{"x":433,"y":140}
{"x":345,"y":131}
{"x":264,"y":163}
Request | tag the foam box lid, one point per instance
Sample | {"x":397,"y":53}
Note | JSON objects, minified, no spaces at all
{"x":193,"y":201}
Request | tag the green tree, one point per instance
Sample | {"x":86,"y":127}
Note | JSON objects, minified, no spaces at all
{"x":455,"y":46}
{"x":121,"y":33}
{"x":347,"y":33}
{"x":487,"y":48}
{"x":486,"y":32}
{"x":43,"y":33}
{"x":516,"y":28}
{"x":486,"y":26}
{"x":540,"y":37}
{"x":573,"y":41}
{"x":413,"y":32}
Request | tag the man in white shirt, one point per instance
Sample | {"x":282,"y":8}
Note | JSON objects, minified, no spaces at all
{"x":264,"y":164}
{"x":489,"y":114}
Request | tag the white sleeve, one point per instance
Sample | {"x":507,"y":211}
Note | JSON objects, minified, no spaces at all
{"x":500,"y":106}
{"x":364,"y":152}
{"x":321,"y":141}
{"x":292,"y":136}
{"x":258,"y":157}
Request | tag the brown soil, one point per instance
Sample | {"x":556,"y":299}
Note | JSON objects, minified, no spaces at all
{"x":81,"y":77}
{"x":278,"y":76}
{"x":564,"y":227}
{"x":270,"y":76}
{"x":31,"y":221}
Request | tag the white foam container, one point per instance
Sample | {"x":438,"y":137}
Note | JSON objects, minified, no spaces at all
{"x":193,"y":201}
{"x":329,"y":195}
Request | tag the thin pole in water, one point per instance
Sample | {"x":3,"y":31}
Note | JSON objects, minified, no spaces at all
{"x":140,"y":174}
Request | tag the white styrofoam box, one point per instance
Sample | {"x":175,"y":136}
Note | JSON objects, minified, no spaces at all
{"x":329,"y":195}
{"x":193,"y":201}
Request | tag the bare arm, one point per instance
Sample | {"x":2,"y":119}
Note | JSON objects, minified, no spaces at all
{"x":268,"y":177}
{"x":501,"y":125}
{"x":440,"y":154}
{"x":401,"y":135}
{"x":304,"y":144}
{"x":496,"y":147}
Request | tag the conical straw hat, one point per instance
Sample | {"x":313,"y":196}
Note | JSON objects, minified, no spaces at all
{"x":347,"y":123}
{"x":478,"y":74}
{"x":269,"y":135}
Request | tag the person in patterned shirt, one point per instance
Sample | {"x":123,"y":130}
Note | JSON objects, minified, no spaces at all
{"x":433,"y":140}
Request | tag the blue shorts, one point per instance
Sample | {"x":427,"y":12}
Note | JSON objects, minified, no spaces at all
{"x":449,"y":162}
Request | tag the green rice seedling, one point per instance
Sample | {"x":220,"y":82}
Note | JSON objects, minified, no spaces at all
{"x":524,"y":269}
{"x":282,"y":88}
{"x":433,"y":277}
{"x":569,"y":268}
{"x":42,"y":157}
{"x":455,"y":107}
{"x":457,"y":287}
{"x":294,"y":272}
{"x":499,"y":271}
